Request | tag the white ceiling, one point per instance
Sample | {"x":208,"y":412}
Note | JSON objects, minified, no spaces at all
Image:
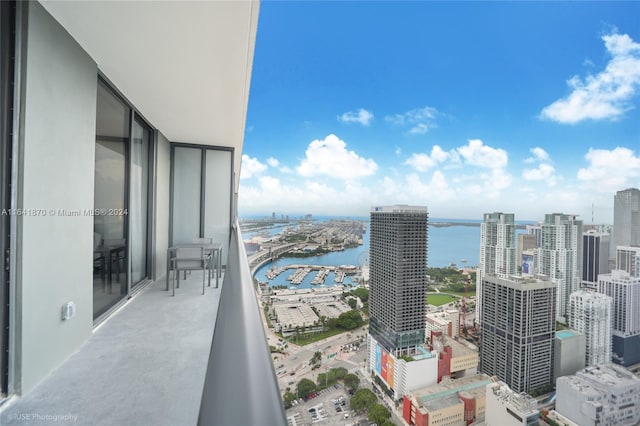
{"x":185,"y":65}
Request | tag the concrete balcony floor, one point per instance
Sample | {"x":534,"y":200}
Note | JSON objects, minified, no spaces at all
{"x":145,"y":365}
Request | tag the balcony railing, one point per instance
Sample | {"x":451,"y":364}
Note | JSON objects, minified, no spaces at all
{"x":240,"y":385}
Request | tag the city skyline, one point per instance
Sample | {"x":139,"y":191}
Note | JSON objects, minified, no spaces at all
{"x":466,"y":108}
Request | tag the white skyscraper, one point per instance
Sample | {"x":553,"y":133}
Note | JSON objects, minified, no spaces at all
{"x":535,"y":230}
{"x":628,"y":259}
{"x":560,"y":256}
{"x":590,"y":314}
{"x":497,"y":251}
{"x":625,"y":292}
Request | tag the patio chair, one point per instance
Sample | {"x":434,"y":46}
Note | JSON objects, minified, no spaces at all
{"x":198,"y":240}
{"x":190,"y":259}
{"x":209,"y":241}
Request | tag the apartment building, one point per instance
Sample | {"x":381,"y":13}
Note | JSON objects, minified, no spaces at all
{"x":590,"y":313}
{"x":497,"y":251}
{"x":518,"y":330}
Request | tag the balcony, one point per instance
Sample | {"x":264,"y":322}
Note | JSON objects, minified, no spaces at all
{"x":162,"y":360}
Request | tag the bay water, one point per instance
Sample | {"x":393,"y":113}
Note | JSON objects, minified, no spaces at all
{"x":446,"y":245}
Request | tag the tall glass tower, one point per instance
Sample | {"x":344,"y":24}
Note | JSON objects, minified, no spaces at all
{"x":626,"y":219}
{"x":398,"y":277}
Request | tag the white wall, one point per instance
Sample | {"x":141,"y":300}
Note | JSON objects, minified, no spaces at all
{"x":54,"y":252}
{"x":422,"y":373}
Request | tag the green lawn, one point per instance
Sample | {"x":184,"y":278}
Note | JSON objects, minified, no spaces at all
{"x":439,"y":299}
{"x":459,"y":293}
{"x":305,"y":339}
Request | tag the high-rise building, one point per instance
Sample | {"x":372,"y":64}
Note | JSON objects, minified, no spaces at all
{"x":625,"y":292}
{"x":518,"y":331}
{"x":590,"y":313}
{"x":398,"y":277}
{"x":626,"y":219}
{"x":595,"y":257}
{"x":560,"y":256}
{"x":497,"y":251}
{"x":628,"y":260}
{"x":526,"y":243}
{"x":535,"y":230}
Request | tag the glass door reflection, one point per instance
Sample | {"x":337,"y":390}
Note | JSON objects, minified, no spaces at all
{"x":139,"y":201}
{"x":110,"y":245}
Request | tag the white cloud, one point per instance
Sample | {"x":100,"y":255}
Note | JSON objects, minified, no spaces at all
{"x":421,"y":120}
{"x":610,"y":170}
{"x":329,"y":157}
{"x":605,"y":95}
{"x":361,"y":116}
{"x":419,"y":129}
{"x":542,"y":172}
{"x":303,"y":196}
{"x":269,"y":183}
{"x":250,"y":167}
{"x":539,"y":154}
{"x":476,"y":153}
{"x":423,"y":162}
{"x":438,"y":154}
{"x":275,"y":163}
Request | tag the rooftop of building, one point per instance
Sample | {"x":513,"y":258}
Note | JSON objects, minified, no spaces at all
{"x":628,"y":248}
{"x":473,"y":385}
{"x":567,"y":334}
{"x":399,"y":208}
{"x":521,"y":282}
{"x":593,"y":381}
{"x":620,"y":276}
{"x":422,"y":353}
{"x":519,"y":401}
{"x":310,"y":292}
{"x":609,"y":374}
{"x":458,"y":348}
{"x":594,"y":296}
{"x":445,"y":402}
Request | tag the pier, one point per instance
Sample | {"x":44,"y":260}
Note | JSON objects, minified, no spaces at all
{"x":300,"y":272}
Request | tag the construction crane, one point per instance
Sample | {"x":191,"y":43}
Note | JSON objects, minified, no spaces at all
{"x":463,"y":326}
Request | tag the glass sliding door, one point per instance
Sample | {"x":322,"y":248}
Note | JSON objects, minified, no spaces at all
{"x":217,"y":206}
{"x":187,"y":184}
{"x":201,"y":190}
{"x":139,"y":201}
{"x":110,"y":242}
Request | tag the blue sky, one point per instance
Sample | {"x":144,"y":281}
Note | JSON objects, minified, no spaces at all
{"x":524,"y":107}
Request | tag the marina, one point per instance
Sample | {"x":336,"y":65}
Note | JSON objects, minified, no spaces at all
{"x":300,"y":272}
